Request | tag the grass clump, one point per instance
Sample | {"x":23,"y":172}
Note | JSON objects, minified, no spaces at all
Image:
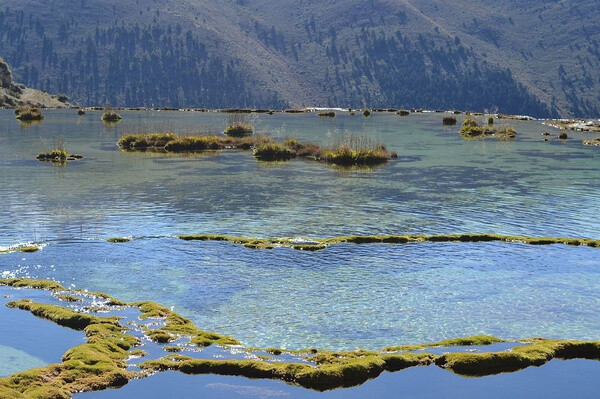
{"x":403,"y":112}
{"x":348,"y":152}
{"x":238,"y":125}
{"x":239,"y":129}
{"x":274,"y":152}
{"x":111,"y":116}
{"x":56,"y":155}
{"x":29,"y":114}
{"x":471,"y":129}
{"x":449,"y":121}
{"x":147,"y":140}
{"x":366,"y":112}
{"x":327,"y":114}
{"x":505,"y":134}
{"x":80,"y":112}
{"x":592,"y":142}
{"x":490,"y":120}
{"x":347,"y":156}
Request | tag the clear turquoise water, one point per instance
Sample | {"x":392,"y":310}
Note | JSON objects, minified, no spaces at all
{"x":27,"y":341}
{"x":343,"y":297}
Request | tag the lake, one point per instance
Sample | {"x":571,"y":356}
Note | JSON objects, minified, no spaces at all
{"x":345,"y":296}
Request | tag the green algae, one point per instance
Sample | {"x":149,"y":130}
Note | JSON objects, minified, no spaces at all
{"x":322,"y":243}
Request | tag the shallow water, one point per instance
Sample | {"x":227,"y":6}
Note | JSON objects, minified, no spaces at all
{"x":346,"y":296}
{"x":26,"y":341}
{"x":557,"y":379}
{"x":440,"y":184}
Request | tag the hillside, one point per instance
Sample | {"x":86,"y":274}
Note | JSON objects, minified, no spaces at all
{"x":13,"y":94}
{"x":540,"y":58}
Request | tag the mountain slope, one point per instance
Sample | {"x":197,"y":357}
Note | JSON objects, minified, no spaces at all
{"x":13,"y":94}
{"x":540,"y":58}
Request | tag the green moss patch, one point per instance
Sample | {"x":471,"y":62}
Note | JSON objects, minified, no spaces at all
{"x":28,"y":283}
{"x":26,"y":249}
{"x":118,"y":240}
{"x":535,"y":354}
{"x":322,"y":243}
{"x":176,"y":326}
{"x":98,"y":364}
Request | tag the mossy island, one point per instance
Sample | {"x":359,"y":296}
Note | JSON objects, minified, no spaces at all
{"x":449,"y":121}
{"x":111,"y":116}
{"x":317,"y":244}
{"x":265,"y":148}
{"x":326,"y":114}
{"x":472,"y":130}
{"x":29,"y":114}
{"x":239,"y":130}
{"x":58,"y":155}
{"x":592,"y":142}
{"x":403,"y":112}
{"x":238,"y":126}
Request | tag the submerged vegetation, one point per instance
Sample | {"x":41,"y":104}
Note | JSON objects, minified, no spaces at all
{"x":29,"y":114}
{"x":347,"y":152}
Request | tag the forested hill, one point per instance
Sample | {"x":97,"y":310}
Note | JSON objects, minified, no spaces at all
{"x":541,"y":58}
